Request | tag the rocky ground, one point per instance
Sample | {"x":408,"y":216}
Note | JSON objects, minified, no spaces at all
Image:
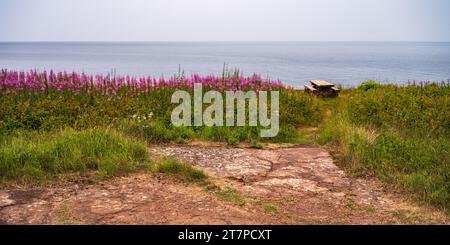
{"x":291,"y":185}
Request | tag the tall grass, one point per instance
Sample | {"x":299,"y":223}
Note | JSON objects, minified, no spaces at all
{"x":39,"y":155}
{"x":401,"y":134}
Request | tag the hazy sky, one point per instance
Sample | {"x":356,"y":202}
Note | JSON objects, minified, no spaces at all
{"x":224,"y":20}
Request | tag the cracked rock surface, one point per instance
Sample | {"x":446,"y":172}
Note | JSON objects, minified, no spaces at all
{"x":304,"y":182}
{"x":134,"y":199}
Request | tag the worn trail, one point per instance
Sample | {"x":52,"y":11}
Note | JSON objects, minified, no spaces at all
{"x":304,"y":184}
{"x":295,"y":185}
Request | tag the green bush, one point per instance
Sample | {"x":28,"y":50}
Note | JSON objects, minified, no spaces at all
{"x":368,"y":85}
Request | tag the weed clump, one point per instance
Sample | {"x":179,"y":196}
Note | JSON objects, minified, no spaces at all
{"x":179,"y":170}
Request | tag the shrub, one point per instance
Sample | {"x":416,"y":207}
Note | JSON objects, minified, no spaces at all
{"x":368,"y":85}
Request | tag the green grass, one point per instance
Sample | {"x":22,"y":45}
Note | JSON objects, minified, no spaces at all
{"x":182,"y":171}
{"x":40,"y":155}
{"x":400,"y":134}
{"x":231,"y":195}
{"x":255,"y":144}
{"x":64,"y":216}
{"x":270,"y":208}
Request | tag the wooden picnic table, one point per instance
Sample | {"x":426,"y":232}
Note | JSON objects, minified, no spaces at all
{"x":321,"y":84}
{"x":322,"y":88}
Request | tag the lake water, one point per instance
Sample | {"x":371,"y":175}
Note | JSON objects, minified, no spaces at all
{"x":295,"y":63}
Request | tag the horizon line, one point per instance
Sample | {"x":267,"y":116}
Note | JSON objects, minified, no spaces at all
{"x":217,"y":41}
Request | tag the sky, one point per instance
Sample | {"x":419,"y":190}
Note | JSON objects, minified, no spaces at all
{"x":224,"y":20}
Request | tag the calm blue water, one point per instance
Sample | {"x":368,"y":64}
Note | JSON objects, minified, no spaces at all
{"x":294,"y":63}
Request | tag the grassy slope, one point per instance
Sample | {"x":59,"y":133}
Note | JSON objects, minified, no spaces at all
{"x":42,"y":155}
{"x":399,"y":134}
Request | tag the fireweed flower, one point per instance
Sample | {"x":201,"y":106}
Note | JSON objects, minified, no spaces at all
{"x":36,"y":82}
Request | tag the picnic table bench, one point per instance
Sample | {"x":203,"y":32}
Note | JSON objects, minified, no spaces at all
{"x":322,"y":88}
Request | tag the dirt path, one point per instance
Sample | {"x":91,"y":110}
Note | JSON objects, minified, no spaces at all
{"x":304,"y":185}
{"x":135,"y":199}
{"x":297,"y":185}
